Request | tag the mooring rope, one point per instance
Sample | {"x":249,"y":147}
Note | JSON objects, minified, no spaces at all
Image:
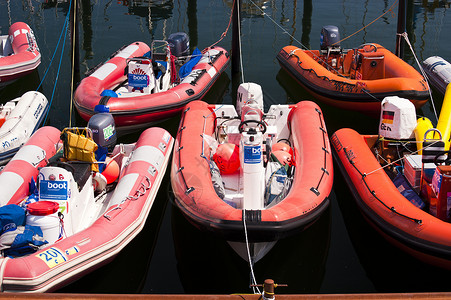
{"x":330,"y":67}
{"x":406,"y":38}
{"x":251,"y":263}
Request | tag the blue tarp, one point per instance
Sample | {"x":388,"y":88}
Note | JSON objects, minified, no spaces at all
{"x":26,"y":242}
{"x":189,"y":65}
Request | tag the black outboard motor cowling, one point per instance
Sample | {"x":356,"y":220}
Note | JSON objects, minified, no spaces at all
{"x":179,"y":44}
{"x":330,"y":39}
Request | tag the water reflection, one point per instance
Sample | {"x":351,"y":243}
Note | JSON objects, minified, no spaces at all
{"x":250,"y":9}
{"x":17,"y":88}
{"x":153,"y":10}
{"x":208,"y":265}
{"x":388,"y":268}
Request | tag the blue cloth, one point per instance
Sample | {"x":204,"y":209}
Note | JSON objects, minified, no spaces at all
{"x":407,"y":191}
{"x":11,"y":216}
{"x":27,"y":242}
{"x":159,"y":73}
{"x":101,"y":154}
{"x":189,"y":65}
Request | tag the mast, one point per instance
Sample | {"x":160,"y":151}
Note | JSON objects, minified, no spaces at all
{"x":75,"y":56}
{"x":192,"y":23}
{"x":236,"y":37}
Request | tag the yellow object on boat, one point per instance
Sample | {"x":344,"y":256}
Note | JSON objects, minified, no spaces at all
{"x":444,"y":120}
{"x":423,"y":125}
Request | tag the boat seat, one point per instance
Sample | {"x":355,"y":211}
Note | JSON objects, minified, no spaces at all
{"x":81,"y":173}
{"x":432,"y":148}
{"x":372,"y":66}
{"x":347,"y":62}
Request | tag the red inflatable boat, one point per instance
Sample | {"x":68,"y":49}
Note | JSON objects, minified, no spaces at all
{"x":277,"y":185}
{"x":102,"y":213}
{"x":158,"y":92}
{"x":19,"y":52}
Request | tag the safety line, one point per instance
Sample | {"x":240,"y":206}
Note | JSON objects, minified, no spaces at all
{"x":373,"y":193}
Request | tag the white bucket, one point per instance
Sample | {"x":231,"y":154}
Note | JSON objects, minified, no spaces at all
{"x":45,"y":215}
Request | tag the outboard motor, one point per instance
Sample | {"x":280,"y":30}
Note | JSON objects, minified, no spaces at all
{"x":249,"y":106}
{"x":250,"y":97}
{"x":103,"y":130}
{"x":330,"y":40}
{"x":179,"y":44}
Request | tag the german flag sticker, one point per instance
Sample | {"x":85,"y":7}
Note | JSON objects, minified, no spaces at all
{"x":387,"y":117}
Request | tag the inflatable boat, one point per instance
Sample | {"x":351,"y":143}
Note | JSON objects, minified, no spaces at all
{"x":356,"y":79}
{"x":19,"y":119}
{"x":19,"y":52}
{"x":139,"y":87}
{"x":247,"y":176}
{"x":401,"y":193}
{"x":438,"y":71}
{"x":80,"y":214}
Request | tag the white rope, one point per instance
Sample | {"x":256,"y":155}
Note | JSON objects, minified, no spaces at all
{"x":2,"y":271}
{"x":251,"y":264}
{"x":406,"y":38}
{"x":239,"y":38}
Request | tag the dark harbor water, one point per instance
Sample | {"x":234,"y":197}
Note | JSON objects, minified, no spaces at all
{"x":338,"y":254}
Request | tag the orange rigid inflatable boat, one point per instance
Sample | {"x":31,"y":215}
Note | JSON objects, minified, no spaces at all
{"x":355,"y":79}
{"x":245,"y":199}
{"x":404,"y":223}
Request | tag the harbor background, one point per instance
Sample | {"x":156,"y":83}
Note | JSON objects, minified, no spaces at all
{"x":338,"y":254}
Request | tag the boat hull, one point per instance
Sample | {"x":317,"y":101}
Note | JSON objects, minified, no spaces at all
{"x":197,"y":199}
{"x":400,"y":80}
{"x":25,"y":56}
{"x":24,"y":120}
{"x":399,"y":221}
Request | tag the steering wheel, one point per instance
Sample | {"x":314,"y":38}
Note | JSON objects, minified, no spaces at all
{"x":261,"y":124}
{"x":368,"y":47}
{"x":62,"y":164}
{"x":446,"y":160}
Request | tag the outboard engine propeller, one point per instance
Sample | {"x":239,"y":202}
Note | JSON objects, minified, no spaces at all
{"x":330,"y":40}
{"x":252,"y":128}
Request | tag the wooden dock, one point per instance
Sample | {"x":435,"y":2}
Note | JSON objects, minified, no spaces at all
{"x":416,"y":296}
